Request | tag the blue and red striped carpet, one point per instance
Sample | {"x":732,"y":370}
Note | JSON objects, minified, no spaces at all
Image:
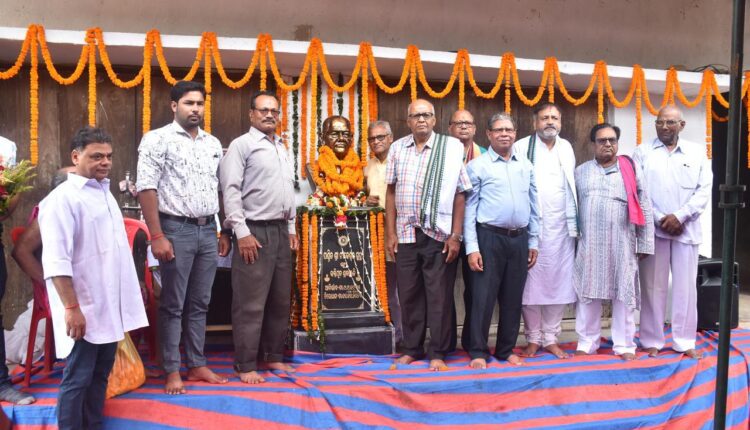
{"x":353,"y":392}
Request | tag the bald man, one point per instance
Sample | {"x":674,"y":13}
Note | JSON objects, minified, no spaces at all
{"x":424,"y":230}
{"x":678,"y":177}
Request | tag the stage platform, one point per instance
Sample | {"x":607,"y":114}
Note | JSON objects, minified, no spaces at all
{"x":357,"y":392}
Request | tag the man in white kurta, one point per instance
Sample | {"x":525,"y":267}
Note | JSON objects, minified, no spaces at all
{"x":678,"y":175}
{"x":92,"y":284}
{"x":549,"y":285}
{"x":606,"y":264}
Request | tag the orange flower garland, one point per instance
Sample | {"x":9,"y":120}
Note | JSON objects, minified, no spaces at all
{"x":348,"y":182}
{"x":34,"y":103}
{"x":352,"y":102}
{"x":303,"y":130}
{"x":382,"y":264}
{"x":303,"y":271}
{"x":378,"y":264}
{"x":163,"y":61}
{"x":314,"y":272}
{"x":314,"y":112}
{"x":259,"y":52}
{"x":92,"y":78}
{"x":365,"y":121}
{"x":31,"y":35}
{"x":80,"y":65}
{"x":147,"y":52}
{"x":207,"y":82}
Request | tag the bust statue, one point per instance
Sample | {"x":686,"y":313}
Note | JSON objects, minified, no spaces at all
{"x":338,"y":170}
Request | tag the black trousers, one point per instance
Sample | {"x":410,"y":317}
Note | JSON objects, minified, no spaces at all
{"x":505,"y":268}
{"x":466,"y":332}
{"x":425,"y":290}
{"x":261,"y":297}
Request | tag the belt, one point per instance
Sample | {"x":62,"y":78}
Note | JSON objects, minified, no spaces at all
{"x":204,"y":220}
{"x":266,"y":222}
{"x":504,"y":231}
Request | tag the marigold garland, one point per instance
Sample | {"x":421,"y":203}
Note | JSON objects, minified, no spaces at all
{"x":365,"y":116}
{"x":314,"y":112}
{"x":329,"y":101}
{"x":207,"y":82}
{"x":34,"y":102}
{"x":348,"y":182}
{"x":314,"y":290}
{"x":352,"y":102}
{"x":208,"y":50}
{"x":304,"y":130}
{"x":304,"y":270}
{"x":383,"y":278}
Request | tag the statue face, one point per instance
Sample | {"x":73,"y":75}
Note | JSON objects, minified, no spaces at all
{"x":338,"y":137}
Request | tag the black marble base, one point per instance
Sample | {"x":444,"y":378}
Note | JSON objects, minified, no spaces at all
{"x":359,"y":340}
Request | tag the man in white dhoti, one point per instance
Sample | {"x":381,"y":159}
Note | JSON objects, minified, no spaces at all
{"x":549,"y":285}
{"x":678,"y":176}
{"x":616,"y":230}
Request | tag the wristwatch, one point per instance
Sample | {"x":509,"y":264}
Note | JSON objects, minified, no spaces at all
{"x":458,"y":237}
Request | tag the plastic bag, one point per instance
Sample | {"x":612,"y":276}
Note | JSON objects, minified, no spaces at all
{"x":128,"y":372}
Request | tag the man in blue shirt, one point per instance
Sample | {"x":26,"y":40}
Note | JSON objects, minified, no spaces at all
{"x":502,"y":221}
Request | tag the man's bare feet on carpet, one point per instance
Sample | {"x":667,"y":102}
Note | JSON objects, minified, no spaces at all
{"x":478,"y":363}
{"x":205,"y":374}
{"x":514,"y":360}
{"x":278,"y":365}
{"x":628,"y":356}
{"x":693,"y":354}
{"x":251,"y":377}
{"x":437,"y":365}
{"x":555,"y":350}
{"x":652,"y":352}
{"x":579,"y":353}
{"x":404,"y":359}
{"x":173,"y":384}
{"x":530,"y":350}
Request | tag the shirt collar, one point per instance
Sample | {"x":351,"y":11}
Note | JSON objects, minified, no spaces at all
{"x":81,"y":181}
{"x":428,"y":144}
{"x":494,"y":156}
{"x":177,"y":128}
{"x":259,"y":135}
{"x":659,"y":144}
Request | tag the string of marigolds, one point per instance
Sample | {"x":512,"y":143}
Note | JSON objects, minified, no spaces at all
{"x":208,"y":54}
{"x":378,"y":262}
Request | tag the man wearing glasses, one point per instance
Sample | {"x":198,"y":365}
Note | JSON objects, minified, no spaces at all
{"x":424,"y":212}
{"x":257,"y":188}
{"x":616,"y":230}
{"x":380,"y":138}
{"x":678,"y":175}
{"x":502,"y":228}
{"x":463,"y":128}
{"x":549,"y":286}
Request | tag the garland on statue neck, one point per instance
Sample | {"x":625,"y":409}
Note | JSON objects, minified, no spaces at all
{"x":348,"y":182}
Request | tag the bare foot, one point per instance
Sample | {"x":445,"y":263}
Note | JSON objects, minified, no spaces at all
{"x":438,"y":365}
{"x":531,"y":350}
{"x":628,"y":356}
{"x":652,"y":352}
{"x":693,"y":354}
{"x":478,"y":363}
{"x":251,"y":377}
{"x":579,"y":353}
{"x":205,"y":374}
{"x":404,"y":359}
{"x":514,"y":360}
{"x":278,"y":365}
{"x":173,"y":384}
{"x":556,"y":351}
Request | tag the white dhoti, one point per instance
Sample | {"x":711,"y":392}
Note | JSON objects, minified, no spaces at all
{"x":549,"y":285}
{"x":654,"y":275}
{"x":589,"y":327}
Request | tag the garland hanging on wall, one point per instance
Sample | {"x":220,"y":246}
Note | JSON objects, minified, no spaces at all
{"x":208,"y":54}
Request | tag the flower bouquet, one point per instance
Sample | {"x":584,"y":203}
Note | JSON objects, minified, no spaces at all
{"x":14,"y":181}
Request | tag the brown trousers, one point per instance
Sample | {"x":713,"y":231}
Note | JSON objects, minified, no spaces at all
{"x":261,"y":295}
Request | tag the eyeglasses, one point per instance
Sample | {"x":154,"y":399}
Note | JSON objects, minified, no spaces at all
{"x":503,"y":130}
{"x":377,"y":138}
{"x":462,"y":123}
{"x":605,"y":140}
{"x":266,"y":111}
{"x":668,"y":123}
{"x":424,"y":115}
{"x":339,"y":134}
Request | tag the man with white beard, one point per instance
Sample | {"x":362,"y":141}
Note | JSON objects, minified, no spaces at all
{"x":549,"y":285}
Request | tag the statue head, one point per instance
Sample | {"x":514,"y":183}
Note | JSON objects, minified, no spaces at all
{"x":337,"y":135}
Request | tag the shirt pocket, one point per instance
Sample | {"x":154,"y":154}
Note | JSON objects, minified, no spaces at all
{"x":687,"y":175}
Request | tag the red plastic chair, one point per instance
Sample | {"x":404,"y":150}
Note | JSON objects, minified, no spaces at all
{"x":132,"y":227}
{"x":39,"y":312}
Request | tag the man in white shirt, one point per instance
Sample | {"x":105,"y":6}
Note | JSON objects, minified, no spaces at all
{"x":549,"y":286}
{"x":678,"y":177}
{"x":93,"y":288}
{"x":178,"y":188}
